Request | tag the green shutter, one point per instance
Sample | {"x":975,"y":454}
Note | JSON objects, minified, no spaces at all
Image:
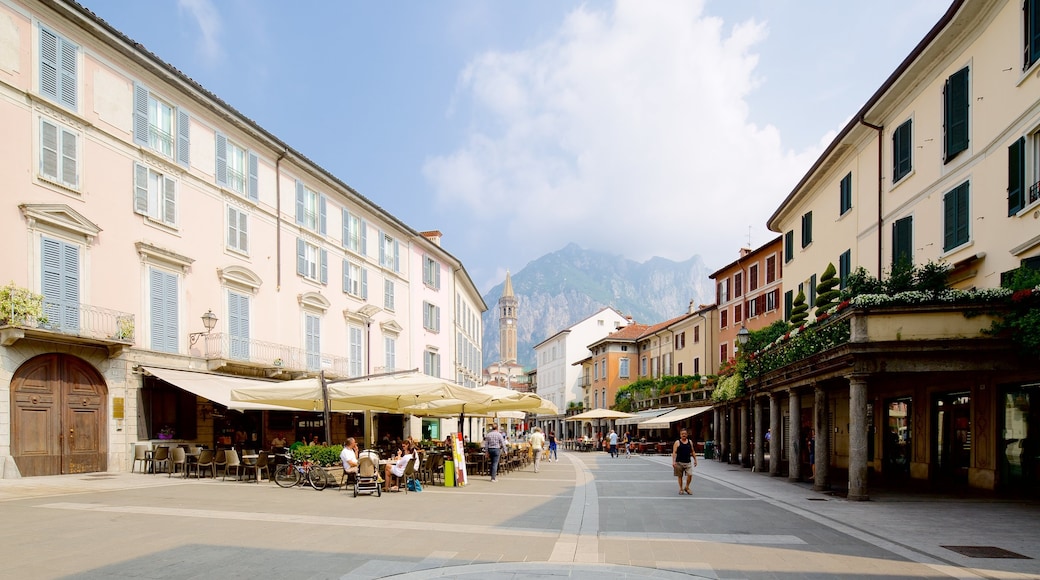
{"x":901,"y":151}
{"x":789,"y":246}
{"x":956,"y":121}
{"x":902,"y":240}
{"x":1016,"y":176}
{"x":955,"y":217}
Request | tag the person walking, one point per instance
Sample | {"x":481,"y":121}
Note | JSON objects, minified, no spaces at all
{"x":552,"y":447}
{"x":494,"y":444}
{"x":683,"y":461}
{"x":612,"y":437}
{"x":627,"y":442}
{"x":537,"y":441}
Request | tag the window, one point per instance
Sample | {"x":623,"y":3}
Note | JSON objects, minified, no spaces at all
{"x":431,"y":317}
{"x":1017,"y":177}
{"x":59,"y":154}
{"x":310,"y":209}
{"x":237,"y":169}
{"x":388,"y":294}
{"x":355,"y":280}
{"x":431,"y":273}
{"x":723,"y":291}
{"x":955,"y":217}
{"x":595,"y":371}
{"x":1031,"y":12}
{"x":161,"y":127}
{"x":680,"y":341}
{"x":753,"y":306}
{"x":738,"y":284}
{"x":788,"y":304}
{"x":697,"y":365}
{"x":237,"y":230}
{"x":955,"y":121}
{"x":724,"y":319}
{"x":806,"y":229}
{"x":901,"y":151}
{"x":155,"y":195}
{"x":738,"y":313}
{"x":60,"y":284}
{"x":752,"y":278}
{"x":356,"y":348}
{"x":162,"y":303}
{"x":811,"y":283}
{"x":789,"y":246}
{"x":845,"y":194}
{"x":389,"y":252}
{"x":771,"y":299}
{"x":770,"y":269}
{"x":390,"y":350}
{"x":59,"y":60}
{"x":902,"y":240}
{"x":696,"y":334}
{"x":238,"y":325}
{"x":642,"y":367}
{"x":844,"y":268}
{"x":623,"y":367}
{"x":723,"y":353}
{"x":312,"y":262}
{"x":312,"y":341}
{"x":431,"y":363}
{"x":355,"y":233}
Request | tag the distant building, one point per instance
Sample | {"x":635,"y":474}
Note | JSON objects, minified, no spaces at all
{"x":506,"y":372}
{"x":748,"y":291}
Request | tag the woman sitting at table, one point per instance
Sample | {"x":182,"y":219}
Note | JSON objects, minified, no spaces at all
{"x":395,"y":471}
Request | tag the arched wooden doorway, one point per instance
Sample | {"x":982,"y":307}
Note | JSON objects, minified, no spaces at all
{"x":58,"y":418}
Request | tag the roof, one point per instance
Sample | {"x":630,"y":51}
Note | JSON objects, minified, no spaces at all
{"x":748,"y":257}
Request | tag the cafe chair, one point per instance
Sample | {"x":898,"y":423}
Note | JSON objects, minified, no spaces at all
{"x":205,"y":462}
{"x":160,"y":457}
{"x":257,"y":467}
{"x":178,"y":461}
{"x":410,"y":473}
{"x":220,"y":460}
{"x":232,"y":462}
{"x":140,"y":454}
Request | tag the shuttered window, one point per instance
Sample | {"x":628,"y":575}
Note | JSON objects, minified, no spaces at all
{"x":431,"y":317}
{"x":356,"y":348}
{"x":355,"y":280}
{"x":1016,"y":176}
{"x":311,"y":208}
{"x":788,"y":304}
{"x":844,"y":268}
{"x":59,"y":154}
{"x":59,"y":61}
{"x":902,"y":240}
{"x":955,"y":101}
{"x":390,"y":353}
{"x":389,"y":252}
{"x":1031,"y":10}
{"x":155,"y":195}
{"x":431,"y":363}
{"x":902,"y":158}
{"x":237,"y":169}
{"x":388,"y":294}
{"x":955,"y":217}
{"x":60,"y":284}
{"x":161,"y":127}
{"x":789,"y":246}
{"x":845,"y":194}
{"x":312,"y":341}
{"x":355,"y":233}
{"x":806,"y":229}
{"x":238,"y":325}
{"x":312,"y":262}
{"x":162,"y":296}
{"x":237,"y":230}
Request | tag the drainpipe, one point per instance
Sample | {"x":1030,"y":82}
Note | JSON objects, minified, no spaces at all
{"x":880,"y":193}
{"x":278,"y":220}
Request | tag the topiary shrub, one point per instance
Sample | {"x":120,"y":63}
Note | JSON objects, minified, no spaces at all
{"x":799,"y":310}
{"x":827,"y":292}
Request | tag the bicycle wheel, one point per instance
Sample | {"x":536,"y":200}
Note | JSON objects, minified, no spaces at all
{"x":286,"y":475}
{"x":319,"y":478}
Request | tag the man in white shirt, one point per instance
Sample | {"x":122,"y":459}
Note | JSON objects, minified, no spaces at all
{"x":349,"y":457}
{"x":537,"y":441}
{"x":613,"y":444}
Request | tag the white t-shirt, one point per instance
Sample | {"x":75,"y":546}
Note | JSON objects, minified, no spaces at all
{"x":613,"y":438}
{"x":402,"y":463}
{"x":349,"y":459}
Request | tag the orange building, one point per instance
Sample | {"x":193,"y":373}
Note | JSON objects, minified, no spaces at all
{"x":747,"y":292}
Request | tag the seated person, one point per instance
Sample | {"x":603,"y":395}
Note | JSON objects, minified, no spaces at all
{"x":277,"y":444}
{"x":395,"y":471}
{"x":349,"y":456}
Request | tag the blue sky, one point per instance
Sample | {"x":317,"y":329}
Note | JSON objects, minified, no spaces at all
{"x":517,"y":126}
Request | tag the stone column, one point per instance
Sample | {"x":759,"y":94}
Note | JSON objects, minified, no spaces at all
{"x":858,"y":438}
{"x":734,"y":434}
{"x":794,"y":465}
{"x":724,"y":435}
{"x":760,"y":441}
{"x":716,"y":430}
{"x":822,"y":426}
{"x":745,"y":444}
{"x":774,"y":434}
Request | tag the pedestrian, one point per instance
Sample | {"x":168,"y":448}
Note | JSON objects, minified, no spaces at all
{"x":494,"y":444}
{"x":627,"y":442}
{"x":612,"y":437}
{"x":810,"y":445}
{"x":537,"y":440}
{"x":683,"y":461}
{"x":552,"y":447}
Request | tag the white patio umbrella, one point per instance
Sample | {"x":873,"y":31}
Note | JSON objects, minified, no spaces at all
{"x":593,"y":414}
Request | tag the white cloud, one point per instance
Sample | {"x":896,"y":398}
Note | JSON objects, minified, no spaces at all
{"x":625,"y":131}
{"x":206,"y":15}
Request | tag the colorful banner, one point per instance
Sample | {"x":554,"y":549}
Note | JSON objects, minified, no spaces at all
{"x":458,"y":453}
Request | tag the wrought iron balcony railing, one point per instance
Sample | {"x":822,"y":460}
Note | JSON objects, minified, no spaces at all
{"x":71,"y":319}
{"x":219,"y":345}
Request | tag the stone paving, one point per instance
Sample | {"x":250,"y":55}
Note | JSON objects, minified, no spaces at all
{"x":586,"y":516}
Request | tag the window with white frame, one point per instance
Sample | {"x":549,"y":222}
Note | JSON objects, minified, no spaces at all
{"x":312,"y":261}
{"x":388,"y":294}
{"x":237,"y":169}
{"x":59,"y":154}
{"x":163,"y":300}
{"x":355,"y":237}
{"x":155,"y":195}
{"x":160,"y":126}
{"x":431,"y":273}
{"x":389,"y":252}
{"x":59,"y":63}
{"x":238,"y":325}
{"x":312,"y":340}
{"x":311,"y":209}
{"x":623,"y":367}
{"x":390,"y":352}
{"x":431,"y":363}
{"x":237,"y":230}
{"x":431,"y":317}
{"x":355,"y":280}
{"x":356,"y":348}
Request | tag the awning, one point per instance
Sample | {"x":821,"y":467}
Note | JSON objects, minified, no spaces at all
{"x":667,"y":419}
{"x":216,"y":388}
{"x":643,"y":416}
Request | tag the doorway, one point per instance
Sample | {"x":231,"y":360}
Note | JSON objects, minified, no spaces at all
{"x":58,"y":416}
{"x":1020,"y":460}
{"x":896,"y":445}
{"x":952,"y":437}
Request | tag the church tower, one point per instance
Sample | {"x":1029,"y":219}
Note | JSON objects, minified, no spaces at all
{"x":507,"y":322}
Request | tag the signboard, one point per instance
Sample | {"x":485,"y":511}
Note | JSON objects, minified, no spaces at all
{"x":117,"y":407}
{"x":458,"y":453}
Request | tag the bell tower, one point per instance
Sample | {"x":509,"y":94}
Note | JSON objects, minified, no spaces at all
{"x":507,"y":322}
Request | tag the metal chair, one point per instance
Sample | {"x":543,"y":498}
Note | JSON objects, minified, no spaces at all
{"x":410,"y":472}
{"x":178,"y":457}
{"x":205,"y":462}
{"x":161,"y":456}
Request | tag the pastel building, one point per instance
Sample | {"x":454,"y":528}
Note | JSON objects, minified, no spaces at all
{"x":150,"y":227}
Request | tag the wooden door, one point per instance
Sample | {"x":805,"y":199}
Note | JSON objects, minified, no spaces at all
{"x":58,"y":405}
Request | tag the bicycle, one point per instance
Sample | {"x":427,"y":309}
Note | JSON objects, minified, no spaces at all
{"x":297,"y":472}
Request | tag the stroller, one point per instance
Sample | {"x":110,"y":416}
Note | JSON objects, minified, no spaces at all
{"x":367,"y":480}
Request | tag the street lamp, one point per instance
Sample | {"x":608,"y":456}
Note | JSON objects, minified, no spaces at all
{"x":742,"y":336}
{"x":209,"y":320}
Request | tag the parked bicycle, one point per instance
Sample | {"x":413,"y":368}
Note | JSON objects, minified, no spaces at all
{"x":296,"y":473}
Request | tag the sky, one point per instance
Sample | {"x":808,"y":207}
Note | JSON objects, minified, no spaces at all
{"x":639,"y":128}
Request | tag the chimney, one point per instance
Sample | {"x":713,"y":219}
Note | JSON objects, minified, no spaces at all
{"x":692,"y":309}
{"x":744,"y":252}
{"x":433,"y":235}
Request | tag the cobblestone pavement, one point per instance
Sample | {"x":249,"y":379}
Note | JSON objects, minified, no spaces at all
{"x":585,"y":516}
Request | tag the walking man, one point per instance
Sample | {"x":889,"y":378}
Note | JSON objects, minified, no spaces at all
{"x":682,"y":456}
{"x":494,"y":444}
{"x":613,"y":444}
{"x":537,"y":441}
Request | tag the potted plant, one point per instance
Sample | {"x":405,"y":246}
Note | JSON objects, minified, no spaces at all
{"x":167,"y":432}
{"x":18,"y":306}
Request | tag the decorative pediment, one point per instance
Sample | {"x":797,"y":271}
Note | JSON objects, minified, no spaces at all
{"x":314,"y":301}
{"x":153,"y":254}
{"x":390,"y":327}
{"x":59,"y":217}
{"x":241,"y":277}
{"x":363,"y":315}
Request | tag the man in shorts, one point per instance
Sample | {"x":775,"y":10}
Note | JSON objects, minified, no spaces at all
{"x":684,"y":459}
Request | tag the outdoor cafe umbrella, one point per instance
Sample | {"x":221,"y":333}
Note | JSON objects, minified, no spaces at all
{"x":599,"y":414}
{"x":500,"y":400}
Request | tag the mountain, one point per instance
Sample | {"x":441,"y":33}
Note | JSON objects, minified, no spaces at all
{"x":566,"y":286}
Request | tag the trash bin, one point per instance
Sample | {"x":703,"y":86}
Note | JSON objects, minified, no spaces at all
{"x":449,"y":474}
{"x":709,"y":450}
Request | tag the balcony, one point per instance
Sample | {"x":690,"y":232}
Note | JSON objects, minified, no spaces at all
{"x":27,"y":315}
{"x":222,"y":350}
